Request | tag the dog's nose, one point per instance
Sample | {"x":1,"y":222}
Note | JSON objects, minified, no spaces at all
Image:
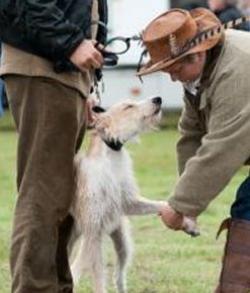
{"x":157,"y":100}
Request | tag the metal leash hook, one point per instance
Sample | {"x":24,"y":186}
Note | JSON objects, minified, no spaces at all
{"x":121,"y":44}
{"x":95,"y":89}
{"x":98,"y":78}
{"x":111,"y":54}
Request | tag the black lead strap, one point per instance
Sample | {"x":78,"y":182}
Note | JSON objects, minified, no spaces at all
{"x":110,"y":59}
{"x":213,"y":31}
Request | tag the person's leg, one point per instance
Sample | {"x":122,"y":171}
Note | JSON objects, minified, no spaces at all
{"x":48,"y":117}
{"x":235,"y":273}
{"x":65,"y":229}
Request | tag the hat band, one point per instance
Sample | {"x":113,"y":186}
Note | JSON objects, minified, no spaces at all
{"x":209,"y":33}
{"x":198,"y":39}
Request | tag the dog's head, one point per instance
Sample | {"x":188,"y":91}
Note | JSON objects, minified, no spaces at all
{"x":125,"y":120}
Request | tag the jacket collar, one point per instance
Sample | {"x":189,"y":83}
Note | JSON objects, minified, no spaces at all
{"x":207,"y":75}
{"x":199,"y":101}
{"x":212,"y":58}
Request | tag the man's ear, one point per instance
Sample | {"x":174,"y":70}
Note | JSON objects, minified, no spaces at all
{"x":98,"y":109}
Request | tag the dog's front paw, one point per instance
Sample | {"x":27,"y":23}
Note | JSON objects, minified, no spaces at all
{"x":161,"y":205}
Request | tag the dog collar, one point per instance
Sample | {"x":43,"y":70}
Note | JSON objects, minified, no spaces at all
{"x":115,"y":145}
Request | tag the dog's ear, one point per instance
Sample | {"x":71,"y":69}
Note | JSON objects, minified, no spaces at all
{"x":98,"y":109}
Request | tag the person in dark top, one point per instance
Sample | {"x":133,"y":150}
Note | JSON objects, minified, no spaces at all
{"x":226,"y":11}
{"x":49,"y":58}
{"x":244,"y":6}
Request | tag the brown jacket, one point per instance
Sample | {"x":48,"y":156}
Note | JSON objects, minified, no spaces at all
{"x":215,"y":128}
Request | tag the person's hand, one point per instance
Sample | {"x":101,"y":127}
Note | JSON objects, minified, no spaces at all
{"x":86,"y":56}
{"x":177,"y":221}
{"x":171,"y":218}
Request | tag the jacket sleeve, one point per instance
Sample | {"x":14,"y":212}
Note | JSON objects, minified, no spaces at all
{"x":223,"y":151}
{"x":48,"y":30}
{"x":191,"y":133}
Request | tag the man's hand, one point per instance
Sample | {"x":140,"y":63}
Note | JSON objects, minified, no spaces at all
{"x":177,"y":221}
{"x":86,"y":56}
{"x":171,"y":218}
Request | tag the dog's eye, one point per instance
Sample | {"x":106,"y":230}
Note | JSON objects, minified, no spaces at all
{"x":128,"y":107}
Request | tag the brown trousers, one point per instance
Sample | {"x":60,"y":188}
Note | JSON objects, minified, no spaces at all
{"x":50,"y":120}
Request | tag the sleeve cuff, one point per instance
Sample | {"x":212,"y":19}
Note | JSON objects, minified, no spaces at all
{"x":184,"y":208}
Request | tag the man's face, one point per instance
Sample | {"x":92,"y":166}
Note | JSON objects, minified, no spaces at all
{"x":187,"y":69}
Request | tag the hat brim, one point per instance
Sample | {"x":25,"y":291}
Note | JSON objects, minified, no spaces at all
{"x":165,"y":63}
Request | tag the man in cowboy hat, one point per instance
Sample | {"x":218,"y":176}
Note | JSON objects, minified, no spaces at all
{"x":213,"y":66}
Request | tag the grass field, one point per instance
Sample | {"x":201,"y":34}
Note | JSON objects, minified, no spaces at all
{"x":164,"y":261}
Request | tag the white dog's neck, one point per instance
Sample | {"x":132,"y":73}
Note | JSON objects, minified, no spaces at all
{"x":98,"y":147}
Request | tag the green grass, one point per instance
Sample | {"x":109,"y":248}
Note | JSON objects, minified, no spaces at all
{"x":164,"y":261}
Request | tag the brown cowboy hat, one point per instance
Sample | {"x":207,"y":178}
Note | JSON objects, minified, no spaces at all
{"x":178,"y":33}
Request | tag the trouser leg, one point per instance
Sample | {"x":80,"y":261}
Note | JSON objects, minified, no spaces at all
{"x":48,"y":118}
{"x":62,"y":259}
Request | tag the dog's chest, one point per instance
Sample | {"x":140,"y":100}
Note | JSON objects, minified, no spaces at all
{"x":102,"y":196}
{"x":120,"y":165}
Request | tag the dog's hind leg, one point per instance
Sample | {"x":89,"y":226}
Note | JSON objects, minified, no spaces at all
{"x":89,"y":257}
{"x":97,"y":267}
{"x":122,"y":243}
{"x":78,"y":263}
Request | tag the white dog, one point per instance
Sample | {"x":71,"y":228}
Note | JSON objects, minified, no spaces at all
{"x":107,"y":191}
